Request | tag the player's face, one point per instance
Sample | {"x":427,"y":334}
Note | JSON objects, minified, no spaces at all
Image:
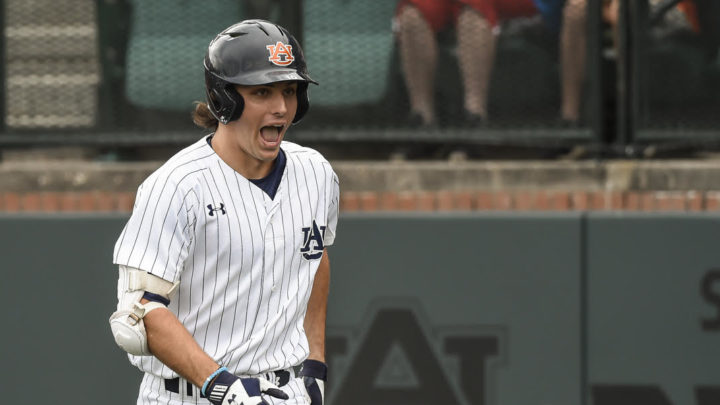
{"x":268,"y":112}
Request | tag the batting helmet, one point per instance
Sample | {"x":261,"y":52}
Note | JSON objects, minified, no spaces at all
{"x":252,"y":52}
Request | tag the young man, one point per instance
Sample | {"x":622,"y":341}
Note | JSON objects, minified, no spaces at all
{"x":224,"y":270}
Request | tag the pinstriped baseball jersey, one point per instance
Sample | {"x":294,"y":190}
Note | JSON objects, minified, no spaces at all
{"x":245,"y":262}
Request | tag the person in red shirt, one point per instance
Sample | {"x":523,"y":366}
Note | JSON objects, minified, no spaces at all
{"x":477,"y":27}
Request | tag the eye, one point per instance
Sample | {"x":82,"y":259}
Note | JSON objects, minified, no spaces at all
{"x":289,"y":91}
{"x":260,"y":91}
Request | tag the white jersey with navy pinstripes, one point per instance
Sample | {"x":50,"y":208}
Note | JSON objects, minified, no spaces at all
{"x":245,"y":262}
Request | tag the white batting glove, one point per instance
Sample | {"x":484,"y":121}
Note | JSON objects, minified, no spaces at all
{"x":314,"y":374}
{"x":228,"y":389}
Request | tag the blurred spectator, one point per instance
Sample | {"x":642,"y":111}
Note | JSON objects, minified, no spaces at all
{"x":669,"y":17}
{"x":676,"y":18}
{"x":477,"y":25}
{"x":707,"y":20}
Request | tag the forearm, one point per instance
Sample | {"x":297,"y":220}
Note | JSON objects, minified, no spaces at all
{"x":317,"y":310}
{"x":173,"y":345}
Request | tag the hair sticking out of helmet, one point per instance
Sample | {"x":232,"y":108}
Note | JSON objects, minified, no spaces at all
{"x":252,"y":52}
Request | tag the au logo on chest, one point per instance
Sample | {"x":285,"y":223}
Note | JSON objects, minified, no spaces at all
{"x":313,"y":245}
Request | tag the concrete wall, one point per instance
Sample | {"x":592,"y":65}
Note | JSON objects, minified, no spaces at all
{"x":491,"y":309}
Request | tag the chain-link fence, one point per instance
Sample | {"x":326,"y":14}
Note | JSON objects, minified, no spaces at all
{"x":128,"y":71}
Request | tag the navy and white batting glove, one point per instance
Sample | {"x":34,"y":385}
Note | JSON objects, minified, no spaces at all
{"x":314,"y":374}
{"x":228,"y":389}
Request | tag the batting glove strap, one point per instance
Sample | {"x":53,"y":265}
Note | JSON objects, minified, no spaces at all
{"x":315,"y":369}
{"x":218,"y":387}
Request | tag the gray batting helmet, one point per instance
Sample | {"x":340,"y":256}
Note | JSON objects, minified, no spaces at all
{"x":252,"y":52}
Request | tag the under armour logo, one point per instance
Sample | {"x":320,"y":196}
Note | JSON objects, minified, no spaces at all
{"x":212,"y":209}
{"x":313,"y":234}
{"x":232,"y":399}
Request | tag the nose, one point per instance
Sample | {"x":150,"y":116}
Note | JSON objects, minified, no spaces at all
{"x":278,"y":105}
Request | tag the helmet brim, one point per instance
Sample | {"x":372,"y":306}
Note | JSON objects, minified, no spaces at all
{"x":270,"y":76}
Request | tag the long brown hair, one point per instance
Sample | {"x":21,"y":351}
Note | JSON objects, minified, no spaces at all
{"x":203,"y":118}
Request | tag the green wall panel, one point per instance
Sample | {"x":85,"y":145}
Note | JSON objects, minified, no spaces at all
{"x":500,"y":308}
{"x":508,"y":284}
{"x":58,"y":289}
{"x":647,"y":343}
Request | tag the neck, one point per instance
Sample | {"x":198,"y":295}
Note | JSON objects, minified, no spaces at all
{"x":224,"y":143}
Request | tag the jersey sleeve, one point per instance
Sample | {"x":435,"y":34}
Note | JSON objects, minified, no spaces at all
{"x":157,"y":236}
{"x":333,"y":209}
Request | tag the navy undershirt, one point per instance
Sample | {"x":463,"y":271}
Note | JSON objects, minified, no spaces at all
{"x":270,"y":183}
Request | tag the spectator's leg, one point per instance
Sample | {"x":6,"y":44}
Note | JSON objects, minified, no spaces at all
{"x":573,"y":42}
{"x":476,"y":54}
{"x":418,"y":56}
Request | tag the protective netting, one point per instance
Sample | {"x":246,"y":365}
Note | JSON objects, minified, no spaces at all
{"x":384,"y":66}
{"x":52,"y":67}
{"x":167,"y":43}
{"x":129,"y":63}
{"x":437,"y":64}
{"x":679,"y":67}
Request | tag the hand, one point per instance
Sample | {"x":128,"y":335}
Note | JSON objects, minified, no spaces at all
{"x":228,"y":389}
{"x":314,"y":374}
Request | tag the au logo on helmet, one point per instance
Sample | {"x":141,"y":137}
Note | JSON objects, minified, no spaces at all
{"x":280,"y":54}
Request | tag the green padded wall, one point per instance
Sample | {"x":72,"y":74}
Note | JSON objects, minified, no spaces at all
{"x":492,"y":309}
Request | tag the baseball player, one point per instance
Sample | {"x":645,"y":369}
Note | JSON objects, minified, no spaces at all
{"x":223,"y":264}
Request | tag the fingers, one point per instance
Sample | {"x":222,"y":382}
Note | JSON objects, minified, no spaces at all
{"x":268,"y":388}
{"x":314,"y":389}
{"x":277,"y":393}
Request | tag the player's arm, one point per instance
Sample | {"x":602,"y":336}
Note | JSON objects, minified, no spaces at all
{"x":144,"y":326}
{"x":317,"y":310}
{"x":172,"y":344}
{"x":314,"y":369}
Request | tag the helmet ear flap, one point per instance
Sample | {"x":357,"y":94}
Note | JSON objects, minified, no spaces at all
{"x":303,"y":101}
{"x":234,"y":101}
{"x":224,"y":102}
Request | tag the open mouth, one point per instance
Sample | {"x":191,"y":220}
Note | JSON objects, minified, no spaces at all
{"x":271,"y":133}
